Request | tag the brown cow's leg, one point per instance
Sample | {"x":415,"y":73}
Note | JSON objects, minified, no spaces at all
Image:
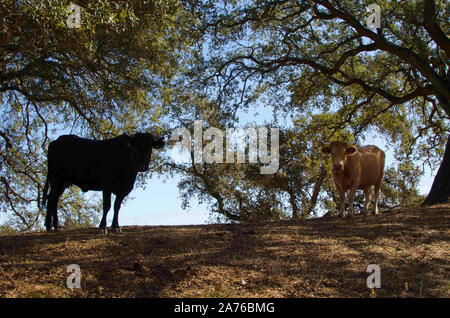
{"x":351,"y":197}
{"x":367,"y":201}
{"x":377,"y":194}
{"x":341,"y":202}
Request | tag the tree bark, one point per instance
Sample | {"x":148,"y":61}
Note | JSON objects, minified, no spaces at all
{"x":440,"y":190}
{"x":294,"y":206}
{"x":316,"y":190}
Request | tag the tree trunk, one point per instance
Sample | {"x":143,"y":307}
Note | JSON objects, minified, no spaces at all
{"x":293,"y":204}
{"x":440,"y":190}
{"x":316,"y":190}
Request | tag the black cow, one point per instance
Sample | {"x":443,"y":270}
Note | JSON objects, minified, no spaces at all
{"x":109,"y":165}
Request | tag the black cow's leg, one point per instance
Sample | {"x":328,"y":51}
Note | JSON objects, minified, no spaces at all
{"x":56,"y":227}
{"x":106,"y":207}
{"x":117,"y":203}
{"x":48,"y":216}
{"x":52,"y":208}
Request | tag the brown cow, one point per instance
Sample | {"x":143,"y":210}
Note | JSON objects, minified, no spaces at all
{"x":356,"y":168}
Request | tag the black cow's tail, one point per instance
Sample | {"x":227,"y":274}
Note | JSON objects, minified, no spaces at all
{"x":44,"y":194}
{"x":43,"y":204}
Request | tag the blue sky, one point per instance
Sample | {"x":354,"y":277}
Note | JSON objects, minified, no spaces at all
{"x":159,"y":204}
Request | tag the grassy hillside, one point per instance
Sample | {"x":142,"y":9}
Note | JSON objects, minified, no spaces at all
{"x":324,"y":257}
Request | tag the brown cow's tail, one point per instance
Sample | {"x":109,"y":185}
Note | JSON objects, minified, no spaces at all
{"x":383,"y":172}
{"x":44,"y":195}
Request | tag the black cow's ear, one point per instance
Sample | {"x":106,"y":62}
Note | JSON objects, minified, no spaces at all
{"x":129,"y":140}
{"x":158,"y":143}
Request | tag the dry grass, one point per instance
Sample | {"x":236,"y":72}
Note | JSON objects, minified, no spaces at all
{"x":324,"y":257}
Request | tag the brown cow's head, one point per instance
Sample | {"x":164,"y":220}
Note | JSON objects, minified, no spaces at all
{"x":141,"y":145}
{"x":339,"y":151}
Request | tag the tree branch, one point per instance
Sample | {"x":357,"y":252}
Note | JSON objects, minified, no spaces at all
{"x":433,"y":29}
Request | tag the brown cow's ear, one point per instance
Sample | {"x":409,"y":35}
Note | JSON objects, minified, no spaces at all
{"x":326,"y":149}
{"x":351,"y":150}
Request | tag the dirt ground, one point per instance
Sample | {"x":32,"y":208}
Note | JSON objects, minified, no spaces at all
{"x":325,"y":257}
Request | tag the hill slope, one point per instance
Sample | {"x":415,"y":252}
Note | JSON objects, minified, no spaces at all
{"x":309,"y":258}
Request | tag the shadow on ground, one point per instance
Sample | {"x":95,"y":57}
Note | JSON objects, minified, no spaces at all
{"x":325,"y":257}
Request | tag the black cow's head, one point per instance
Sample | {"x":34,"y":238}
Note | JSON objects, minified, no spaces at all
{"x":141,"y":145}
